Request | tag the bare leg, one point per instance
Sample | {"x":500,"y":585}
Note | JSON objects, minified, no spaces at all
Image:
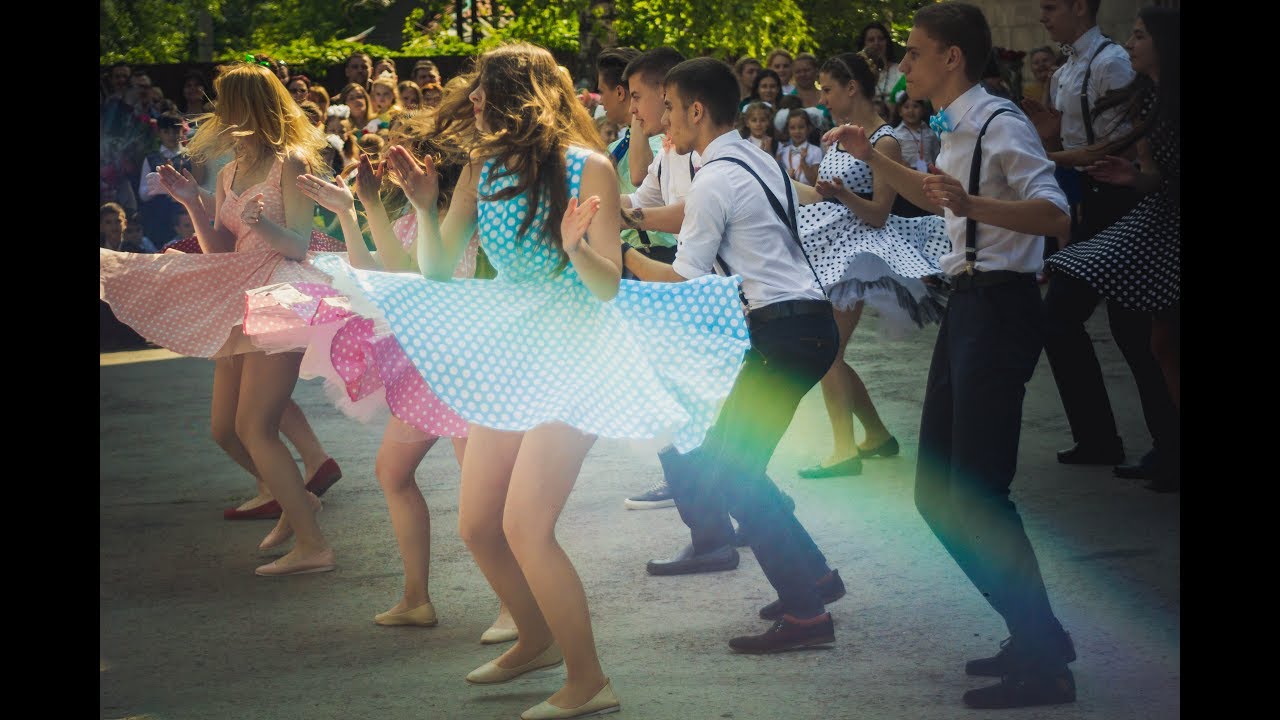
{"x":410,"y":517}
{"x":226,"y":395}
{"x":296,"y":429}
{"x":545,"y":471}
{"x":504,"y":621}
{"x":486,"y":474}
{"x":266,"y":382}
{"x":846,"y":395}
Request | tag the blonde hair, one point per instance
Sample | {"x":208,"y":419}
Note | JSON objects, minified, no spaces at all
{"x":390,"y":85}
{"x":255,"y":118}
{"x":758,"y":106}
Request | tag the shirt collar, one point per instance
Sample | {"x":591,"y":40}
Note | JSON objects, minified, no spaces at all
{"x":717,"y":147}
{"x":1086,"y":41}
{"x":961,"y":105}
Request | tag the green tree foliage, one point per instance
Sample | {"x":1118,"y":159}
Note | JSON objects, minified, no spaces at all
{"x":838,"y":23}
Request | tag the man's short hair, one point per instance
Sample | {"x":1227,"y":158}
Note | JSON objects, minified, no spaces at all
{"x":962,"y":25}
{"x":710,"y":82}
{"x":653,"y":65}
{"x":612,"y":63}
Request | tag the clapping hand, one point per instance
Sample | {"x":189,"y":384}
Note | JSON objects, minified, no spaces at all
{"x":419,"y":180}
{"x":181,"y":186}
{"x":1114,"y":171}
{"x":829,"y":188}
{"x":947,"y":192}
{"x":253,"y":208}
{"x":851,"y":138}
{"x":573,"y":227}
{"x":368,"y":180}
{"x":333,"y":197}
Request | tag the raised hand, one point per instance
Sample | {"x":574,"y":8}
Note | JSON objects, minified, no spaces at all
{"x":1114,"y":171}
{"x":368,"y":180}
{"x":577,"y":218}
{"x":947,"y":192}
{"x":808,"y":170}
{"x":851,"y":138}
{"x":253,"y":208}
{"x":1048,"y":121}
{"x":181,"y":186}
{"x":330,"y":196}
{"x":419,"y":180}
{"x":829,"y":188}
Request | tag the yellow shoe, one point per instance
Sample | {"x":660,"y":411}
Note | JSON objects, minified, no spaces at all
{"x":495,"y":635}
{"x":603,"y":703}
{"x":422,"y":616}
{"x":491,"y":673}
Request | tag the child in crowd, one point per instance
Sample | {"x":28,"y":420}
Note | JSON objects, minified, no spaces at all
{"x":798,"y":156}
{"x":754,"y":126}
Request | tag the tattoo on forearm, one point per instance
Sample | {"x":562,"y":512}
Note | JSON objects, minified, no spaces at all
{"x":633,"y":218}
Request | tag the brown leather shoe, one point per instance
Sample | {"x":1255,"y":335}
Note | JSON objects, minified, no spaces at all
{"x":787,"y":633}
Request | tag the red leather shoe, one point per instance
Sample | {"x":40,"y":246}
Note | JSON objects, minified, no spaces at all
{"x":269,"y":510}
{"x":328,"y":474}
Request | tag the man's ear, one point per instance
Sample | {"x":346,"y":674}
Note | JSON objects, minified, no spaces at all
{"x":697,"y":111}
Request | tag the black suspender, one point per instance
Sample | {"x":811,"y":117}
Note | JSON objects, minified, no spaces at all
{"x":787,"y":216}
{"x":1084,"y":91}
{"x":975,"y":174}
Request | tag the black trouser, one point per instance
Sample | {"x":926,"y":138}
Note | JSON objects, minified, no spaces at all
{"x":788,"y":356}
{"x":1067,"y":305}
{"x":985,"y":353}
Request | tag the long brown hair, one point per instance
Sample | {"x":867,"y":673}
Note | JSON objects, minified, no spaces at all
{"x":255,"y":117}
{"x":532,"y":116}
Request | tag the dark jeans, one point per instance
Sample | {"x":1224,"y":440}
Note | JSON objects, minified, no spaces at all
{"x":661,"y":253}
{"x":985,"y":353}
{"x":1067,"y":305}
{"x":727,"y":473}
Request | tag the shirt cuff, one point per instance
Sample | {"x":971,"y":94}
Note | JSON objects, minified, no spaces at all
{"x":686,"y":269}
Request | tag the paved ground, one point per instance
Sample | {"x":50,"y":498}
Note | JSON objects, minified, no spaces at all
{"x":188,"y":632}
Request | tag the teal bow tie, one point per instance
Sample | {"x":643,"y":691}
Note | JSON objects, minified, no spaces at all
{"x":938,"y":122}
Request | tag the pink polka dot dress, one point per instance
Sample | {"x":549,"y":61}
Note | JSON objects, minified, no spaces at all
{"x":352,"y":349}
{"x":193,"y":304}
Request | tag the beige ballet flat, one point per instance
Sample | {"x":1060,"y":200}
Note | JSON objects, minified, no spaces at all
{"x":422,"y":616}
{"x":495,"y":635}
{"x":280,"y":533}
{"x":491,"y":673}
{"x":603,"y":703}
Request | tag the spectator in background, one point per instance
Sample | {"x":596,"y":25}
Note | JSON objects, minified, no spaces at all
{"x":318,"y":95}
{"x":993,"y":79}
{"x":798,"y":156}
{"x":385,"y":65}
{"x":746,"y":70}
{"x":768,"y":89}
{"x":135,"y":241}
{"x":755,"y":123}
{"x":195,"y":100}
{"x":157,"y":205}
{"x":424,"y":73}
{"x":805,"y":72}
{"x":382,"y":96}
{"x":919,"y":145}
{"x":779,"y":61}
{"x":432,"y":94}
{"x":181,"y":228}
{"x":111,"y":224}
{"x":875,"y":40}
{"x":117,"y":79}
{"x":608,"y":129}
{"x":356,"y":98}
{"x":359,"y":66}
{"x":298,"y":87}
{"x":1036,"y":87}
{"x":410,"y":95}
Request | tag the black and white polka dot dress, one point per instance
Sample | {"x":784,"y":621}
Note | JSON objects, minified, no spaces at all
{"x":880,"y":266}
{"x":1136,"y":261}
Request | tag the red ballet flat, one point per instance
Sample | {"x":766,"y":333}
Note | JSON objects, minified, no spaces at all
{"x":328,"y":474}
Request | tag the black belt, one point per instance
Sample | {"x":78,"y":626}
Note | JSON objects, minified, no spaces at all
{"x":988,"y":278}
{"x":787,"y":308}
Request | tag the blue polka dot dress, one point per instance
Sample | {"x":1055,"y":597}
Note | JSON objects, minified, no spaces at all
{"x":532,"y":347}
{"x":881,"y":266}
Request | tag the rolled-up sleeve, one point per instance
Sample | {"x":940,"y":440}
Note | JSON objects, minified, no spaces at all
{"x":1027,"y":169}
{"x":705,"y":218}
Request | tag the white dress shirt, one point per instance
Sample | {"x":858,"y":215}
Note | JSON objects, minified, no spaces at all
{"x":1111,"y":71}
{"x":727,"y":214}
{"x":1014,"y":167}
{"x":667,"y":182}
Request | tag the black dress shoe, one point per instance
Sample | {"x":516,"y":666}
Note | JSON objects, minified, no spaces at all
{"x":1141,"y":470}
{"x":1093,"y":454}
{"x":685,"y":562}
{"x":1025,"y":690}
{"x":787,"y":634}
{"x":830,"y":587}
{"x":1003,"y":662}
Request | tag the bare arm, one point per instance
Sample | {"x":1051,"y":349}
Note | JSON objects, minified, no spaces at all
{"x":440,"y":245}
{"x":875,"y":211}
{"x":907,"y":182}
{"x":650,"y":270}
{"x":598,"y":257}
{"x":391,"y":254}
{"x":662,"y":219}
{"x":292,"y":238}
{"x":210,"y":233}
{"x":639,"y":154}
{"x":336,"y":197}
